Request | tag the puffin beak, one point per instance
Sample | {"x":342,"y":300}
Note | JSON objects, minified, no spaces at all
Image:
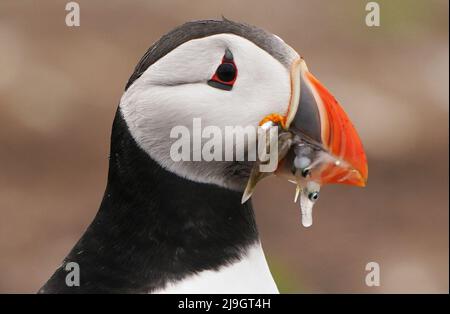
{"x":317,"y":116}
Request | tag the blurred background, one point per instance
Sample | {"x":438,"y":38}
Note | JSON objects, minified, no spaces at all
{"x":60,"y":86}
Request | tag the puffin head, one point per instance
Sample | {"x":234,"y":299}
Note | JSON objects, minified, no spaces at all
{"x":231,"y":74}
{"x":162,"y":219}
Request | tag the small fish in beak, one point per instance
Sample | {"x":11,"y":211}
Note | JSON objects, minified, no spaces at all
{"x":284,"y":144}
{"x":305,"y":165}
{"x":317,"y":143}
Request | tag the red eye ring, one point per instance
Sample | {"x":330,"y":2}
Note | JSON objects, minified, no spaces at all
{"x":226,"y":73}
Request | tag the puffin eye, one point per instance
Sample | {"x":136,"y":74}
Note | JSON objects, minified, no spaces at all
{"x":225,"y":74}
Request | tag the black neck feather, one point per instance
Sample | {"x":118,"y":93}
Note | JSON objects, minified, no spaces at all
{"x":154,"y":226}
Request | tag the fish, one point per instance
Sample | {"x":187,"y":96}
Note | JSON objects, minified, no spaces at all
{"x":302,"y":162}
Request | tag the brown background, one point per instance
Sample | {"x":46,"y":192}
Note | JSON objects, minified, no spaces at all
{"x":59,"y":88}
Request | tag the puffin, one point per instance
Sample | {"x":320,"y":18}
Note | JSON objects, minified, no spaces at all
{"x":171,"y":226}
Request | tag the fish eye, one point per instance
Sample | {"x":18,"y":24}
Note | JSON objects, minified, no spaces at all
{"x":306,"y":172}
{"x":313,"y":196}
{"x":226,"y":73}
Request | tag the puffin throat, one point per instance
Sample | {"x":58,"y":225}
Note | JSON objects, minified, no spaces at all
{"x":154,"y":227}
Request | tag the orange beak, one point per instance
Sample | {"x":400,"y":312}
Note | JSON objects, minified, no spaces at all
{"x":320,"y":118}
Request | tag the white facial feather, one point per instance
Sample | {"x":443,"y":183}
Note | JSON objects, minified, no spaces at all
{"x":174,"y":90}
